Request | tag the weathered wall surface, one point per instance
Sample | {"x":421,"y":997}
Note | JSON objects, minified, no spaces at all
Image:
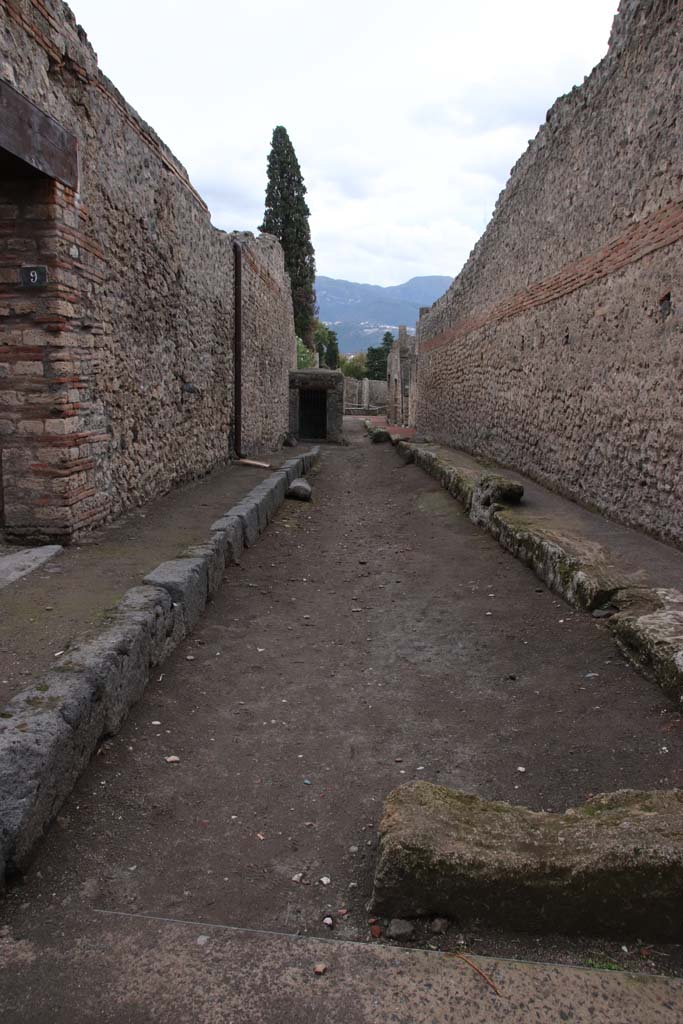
{"x":269,"y":351}
{"x":117,"y":382}
{"x":353,"y":393}
{"x":558,"y":349}
{"x":364,"y":394}
{"x":402,"y":380}
{"x":374,"y":393}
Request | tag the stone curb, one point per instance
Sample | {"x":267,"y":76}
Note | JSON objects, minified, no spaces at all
{"x":613,"y":866}
{"x":647,"y":623}
{"x":49,"y":733}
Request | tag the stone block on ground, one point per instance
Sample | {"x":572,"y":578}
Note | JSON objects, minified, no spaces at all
{"x":215,"y":554}
{"x":293,"y":468}
{"x":186,"y":580}
{"x":300,"y":490}
{"x":400,"y":929}
{"x":247,"y":512}
{"x":263,"y":499}
{"x":649,"y":628}
{"x":310,"y":458}
{"x":231,"y":527}
{"x":152,"y":608}
{"x":380,"y":436}
{"x":613,"y":866}
{"x":47,"y":735}
{"x":279,"y":483}
{"x":20,"y":563}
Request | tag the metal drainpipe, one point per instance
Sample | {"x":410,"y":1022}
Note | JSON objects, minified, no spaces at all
{"x":237,"y":349}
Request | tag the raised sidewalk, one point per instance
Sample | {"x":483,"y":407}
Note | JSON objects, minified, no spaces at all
{"x":112,"y":611}
{"x":631,"y":580}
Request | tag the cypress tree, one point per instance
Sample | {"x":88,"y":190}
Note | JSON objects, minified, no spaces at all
{"x":286,"y":217}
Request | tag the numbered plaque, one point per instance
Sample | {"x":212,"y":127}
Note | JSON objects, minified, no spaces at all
{"x":33,"y":277}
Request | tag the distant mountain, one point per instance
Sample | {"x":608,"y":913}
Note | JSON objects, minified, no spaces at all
{"x":361,"y":313}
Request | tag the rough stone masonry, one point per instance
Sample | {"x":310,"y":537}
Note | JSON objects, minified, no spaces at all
{"x":558,"y":349}
{"x":118,"y":363}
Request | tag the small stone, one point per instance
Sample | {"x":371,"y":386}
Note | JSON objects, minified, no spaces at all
{"x":328,"y":921}
{"x":320,"y":969}
{"x":290,"y":441}
{"x":375,"y":931}
{"x":400,"y":929}
{"x":172,"y":759}
{"x":439,"y":926}
{"x":380,"y":436}
{"x":603,"y":613}
{"x":298,"y":877}
{"x":300,"y":490}
{"x":353,"y":849}
{"x":520,"y":769}
{"x":325,"y":880}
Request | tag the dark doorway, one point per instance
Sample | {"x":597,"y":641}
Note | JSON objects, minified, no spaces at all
{"x":313,"y":413}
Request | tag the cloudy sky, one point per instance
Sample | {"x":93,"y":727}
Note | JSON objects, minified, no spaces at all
{"x":406,"y":116}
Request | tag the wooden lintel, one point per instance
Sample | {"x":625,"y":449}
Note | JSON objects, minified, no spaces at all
{"x":36,"y":138}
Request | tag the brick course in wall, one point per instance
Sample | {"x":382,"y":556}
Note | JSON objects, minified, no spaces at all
{"x":558,"y":348}
{"x":117,"y":378}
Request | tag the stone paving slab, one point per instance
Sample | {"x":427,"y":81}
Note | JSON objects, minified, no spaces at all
{"x":129,"y":969}
{"x":16,"y":564}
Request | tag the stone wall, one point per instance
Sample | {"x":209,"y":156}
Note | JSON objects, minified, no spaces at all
{"x":402,"y":380}
{"x":117,"y":378}
{"x":557,"y":350}
{"x":364,"y":395}
{"x":269,"y":345}
{"x":374,"y":393}
{"x":353,"y":394}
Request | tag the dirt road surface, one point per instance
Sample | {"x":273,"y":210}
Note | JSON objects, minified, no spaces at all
{"x":372,"y":637}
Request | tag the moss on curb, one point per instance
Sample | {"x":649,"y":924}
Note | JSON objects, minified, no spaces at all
{"x":612,"y":866}
{"x":649,"y":623}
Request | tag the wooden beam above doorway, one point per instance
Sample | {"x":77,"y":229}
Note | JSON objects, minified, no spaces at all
{"x":36,"y":138}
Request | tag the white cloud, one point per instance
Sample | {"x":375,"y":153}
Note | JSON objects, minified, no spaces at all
{"x":406,"y":120}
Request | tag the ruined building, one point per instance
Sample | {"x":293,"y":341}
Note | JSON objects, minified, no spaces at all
{"x":364,"y":396}
{"x":402,"y":380}
{"x":558,"y":349}
{"x":140,"y":346}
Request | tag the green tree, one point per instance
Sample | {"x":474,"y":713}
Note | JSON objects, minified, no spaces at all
{"x":326,"y":345}
{"x":333,"y":356}
{"x":304,"y":356}
{"x":286,"y":217}
{"x":320,"y":339}
{"x":353,"y":366}
{"x":377,"y":358}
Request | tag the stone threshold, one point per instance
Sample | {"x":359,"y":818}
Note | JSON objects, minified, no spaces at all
{"x":49,"y":732}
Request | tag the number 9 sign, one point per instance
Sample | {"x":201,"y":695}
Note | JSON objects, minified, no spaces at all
{"x":33,"y":277}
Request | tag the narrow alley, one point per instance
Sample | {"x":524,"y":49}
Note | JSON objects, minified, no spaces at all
{"x":372,"y":637}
